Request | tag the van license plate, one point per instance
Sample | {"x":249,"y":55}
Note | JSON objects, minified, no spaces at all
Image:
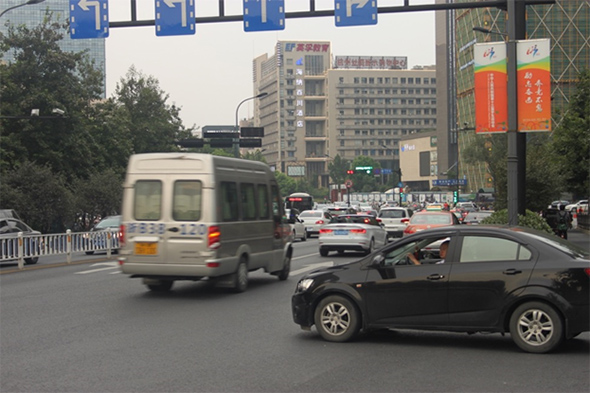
{"x":146,"y":248}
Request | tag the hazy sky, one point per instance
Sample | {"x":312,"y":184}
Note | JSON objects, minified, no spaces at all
{"x":209,"y":73}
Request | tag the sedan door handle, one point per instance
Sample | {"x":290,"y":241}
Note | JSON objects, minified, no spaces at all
{"x":434,"y":277}
{"x":511,"y":272}
{"x":173,"y":229}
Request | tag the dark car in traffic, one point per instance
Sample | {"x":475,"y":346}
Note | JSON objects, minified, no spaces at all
{"x":514,"y":280}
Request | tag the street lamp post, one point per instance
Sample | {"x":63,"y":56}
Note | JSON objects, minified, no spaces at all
{"x":236,"y":141}
{"x":30,"y":2}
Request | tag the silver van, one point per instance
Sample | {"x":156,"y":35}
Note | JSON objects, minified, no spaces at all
{"x":187,"y":216}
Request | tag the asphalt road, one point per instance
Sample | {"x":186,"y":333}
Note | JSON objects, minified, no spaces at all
{"x":85,"y":327}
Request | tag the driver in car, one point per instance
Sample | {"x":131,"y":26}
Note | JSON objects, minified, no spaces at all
{"x":442,"y":252}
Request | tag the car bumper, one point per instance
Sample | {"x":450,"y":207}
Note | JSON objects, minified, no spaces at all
{"x":301,"y":306}
{"x":578,"y":320}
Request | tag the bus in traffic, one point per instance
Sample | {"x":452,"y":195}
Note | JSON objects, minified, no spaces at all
{"x":300,"y":201}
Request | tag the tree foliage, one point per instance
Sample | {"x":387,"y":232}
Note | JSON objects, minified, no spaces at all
{"x":571,"y":141}
{"x":154,"y":125}
{"x":46,"y":159}
{"x":40,"y":197}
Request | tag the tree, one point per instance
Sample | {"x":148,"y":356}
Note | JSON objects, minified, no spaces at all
{"x":571,"y":141}
{"x":153,"y":125}
{"x":362,"y":181}
{"x":40,"y":197}
{"x":287,"y":185}
{"x":42,"y":76}
{"x":99,"y":195}
{"x":337,"y":169}
{"x":255,"y":156}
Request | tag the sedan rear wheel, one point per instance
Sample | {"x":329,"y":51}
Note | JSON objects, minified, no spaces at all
{"x":371,"y":246}
{"x":536,"y":327}
{"x":337,"y":319}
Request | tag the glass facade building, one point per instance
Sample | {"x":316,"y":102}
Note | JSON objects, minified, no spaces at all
{"x":32,"y":15}
{"x":565,"y":23}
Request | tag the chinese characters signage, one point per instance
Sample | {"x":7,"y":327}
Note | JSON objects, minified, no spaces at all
{"x":491,"y":101}
{"x":371,"y":62}
{"x":533,"y":80}
{"x":534,"y":85}
{"x":307,"y":47}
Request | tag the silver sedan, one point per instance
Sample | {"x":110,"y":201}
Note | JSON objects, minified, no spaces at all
{"x":356,"y":232}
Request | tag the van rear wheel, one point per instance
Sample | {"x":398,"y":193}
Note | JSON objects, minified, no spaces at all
{"x":240,"y":277}
{"x":160,"y":286}
{"x":284,"y":274}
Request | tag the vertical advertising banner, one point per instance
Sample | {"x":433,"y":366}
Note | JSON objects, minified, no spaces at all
{"x":534,"y":85}
{"x":491,"y":102}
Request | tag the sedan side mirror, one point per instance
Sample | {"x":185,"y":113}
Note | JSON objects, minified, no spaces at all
{"x":378,"y":260}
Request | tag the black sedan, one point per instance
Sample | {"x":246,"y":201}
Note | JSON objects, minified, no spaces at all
{"x":532,"y":285}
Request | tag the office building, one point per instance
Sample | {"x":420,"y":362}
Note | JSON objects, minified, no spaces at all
{"x":319,"y":106}
{"x":565,"y":23}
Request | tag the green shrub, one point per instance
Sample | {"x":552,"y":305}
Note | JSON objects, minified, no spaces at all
{"x":529,"y":220}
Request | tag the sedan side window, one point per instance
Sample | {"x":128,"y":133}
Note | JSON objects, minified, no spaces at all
{"x":484,"y":249}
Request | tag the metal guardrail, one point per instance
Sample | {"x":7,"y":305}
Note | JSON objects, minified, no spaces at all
{"x":24,"y":248}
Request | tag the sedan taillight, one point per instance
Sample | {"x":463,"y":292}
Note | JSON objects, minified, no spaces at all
{"x":405,"y":220}
{"x":358,"y":231}
{"x":320,"y":222}
{"x":325,"y":230}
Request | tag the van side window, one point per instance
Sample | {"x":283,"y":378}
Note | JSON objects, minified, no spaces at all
{"x":147,"y":203}
{"x":229,"y":201}
{"x":187,"y":200}
{"x":248,"y":201}
{"x":277,"y":212}
{"x":263,"y":201}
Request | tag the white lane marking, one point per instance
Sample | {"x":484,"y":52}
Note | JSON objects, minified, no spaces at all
{"x":306,"y":256}
{"x":312,"y":267}
{"x":110,"y":266}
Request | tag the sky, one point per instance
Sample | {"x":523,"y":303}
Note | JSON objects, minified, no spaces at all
{"x":209,"y":73}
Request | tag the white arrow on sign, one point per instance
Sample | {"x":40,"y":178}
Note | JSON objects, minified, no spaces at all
{"x":349,"y":3}
{"x":170,"y":3}
{"x":84,"y":4}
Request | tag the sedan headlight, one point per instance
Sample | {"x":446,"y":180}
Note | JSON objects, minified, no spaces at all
{"x":303,"y":285}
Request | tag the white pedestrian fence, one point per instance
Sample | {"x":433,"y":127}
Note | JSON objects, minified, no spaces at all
{"x":27,"y":248}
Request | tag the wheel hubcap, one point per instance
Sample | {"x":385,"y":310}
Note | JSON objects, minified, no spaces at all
{"x":335,"y":318}
{"x":535,"y":327}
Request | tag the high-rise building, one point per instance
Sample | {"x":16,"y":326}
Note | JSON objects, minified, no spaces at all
{"x":32,"y":15}
{"x":565,"y":23}
{"x":319,"y":106}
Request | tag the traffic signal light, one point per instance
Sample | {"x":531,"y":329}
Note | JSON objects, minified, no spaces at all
{"x":350,"y":172}
{"x":455,"y":196}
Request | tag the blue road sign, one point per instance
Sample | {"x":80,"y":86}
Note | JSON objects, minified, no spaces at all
{"x":89,"y":19}
{"x":263,"y":15}
{"x":355,"y":12}
{"x":175,"y":17}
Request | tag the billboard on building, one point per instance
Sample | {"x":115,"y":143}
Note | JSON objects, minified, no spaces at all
{"x":371,"y":62}
{"x":534,"y":85}
{"x":491,"y":100}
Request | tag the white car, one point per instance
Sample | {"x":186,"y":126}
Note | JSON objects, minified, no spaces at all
{"x":577,"y":205}
{"x":395,"y":220}
{"x":358,"y":232}
{"x":298,"y":229}
{"x":314,"y":220}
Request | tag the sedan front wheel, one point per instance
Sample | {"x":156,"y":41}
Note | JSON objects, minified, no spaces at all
{"x":337,"y":319}
{"x":536,"y":327}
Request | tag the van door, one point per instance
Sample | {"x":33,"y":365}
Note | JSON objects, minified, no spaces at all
{"x":186,"y":233}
